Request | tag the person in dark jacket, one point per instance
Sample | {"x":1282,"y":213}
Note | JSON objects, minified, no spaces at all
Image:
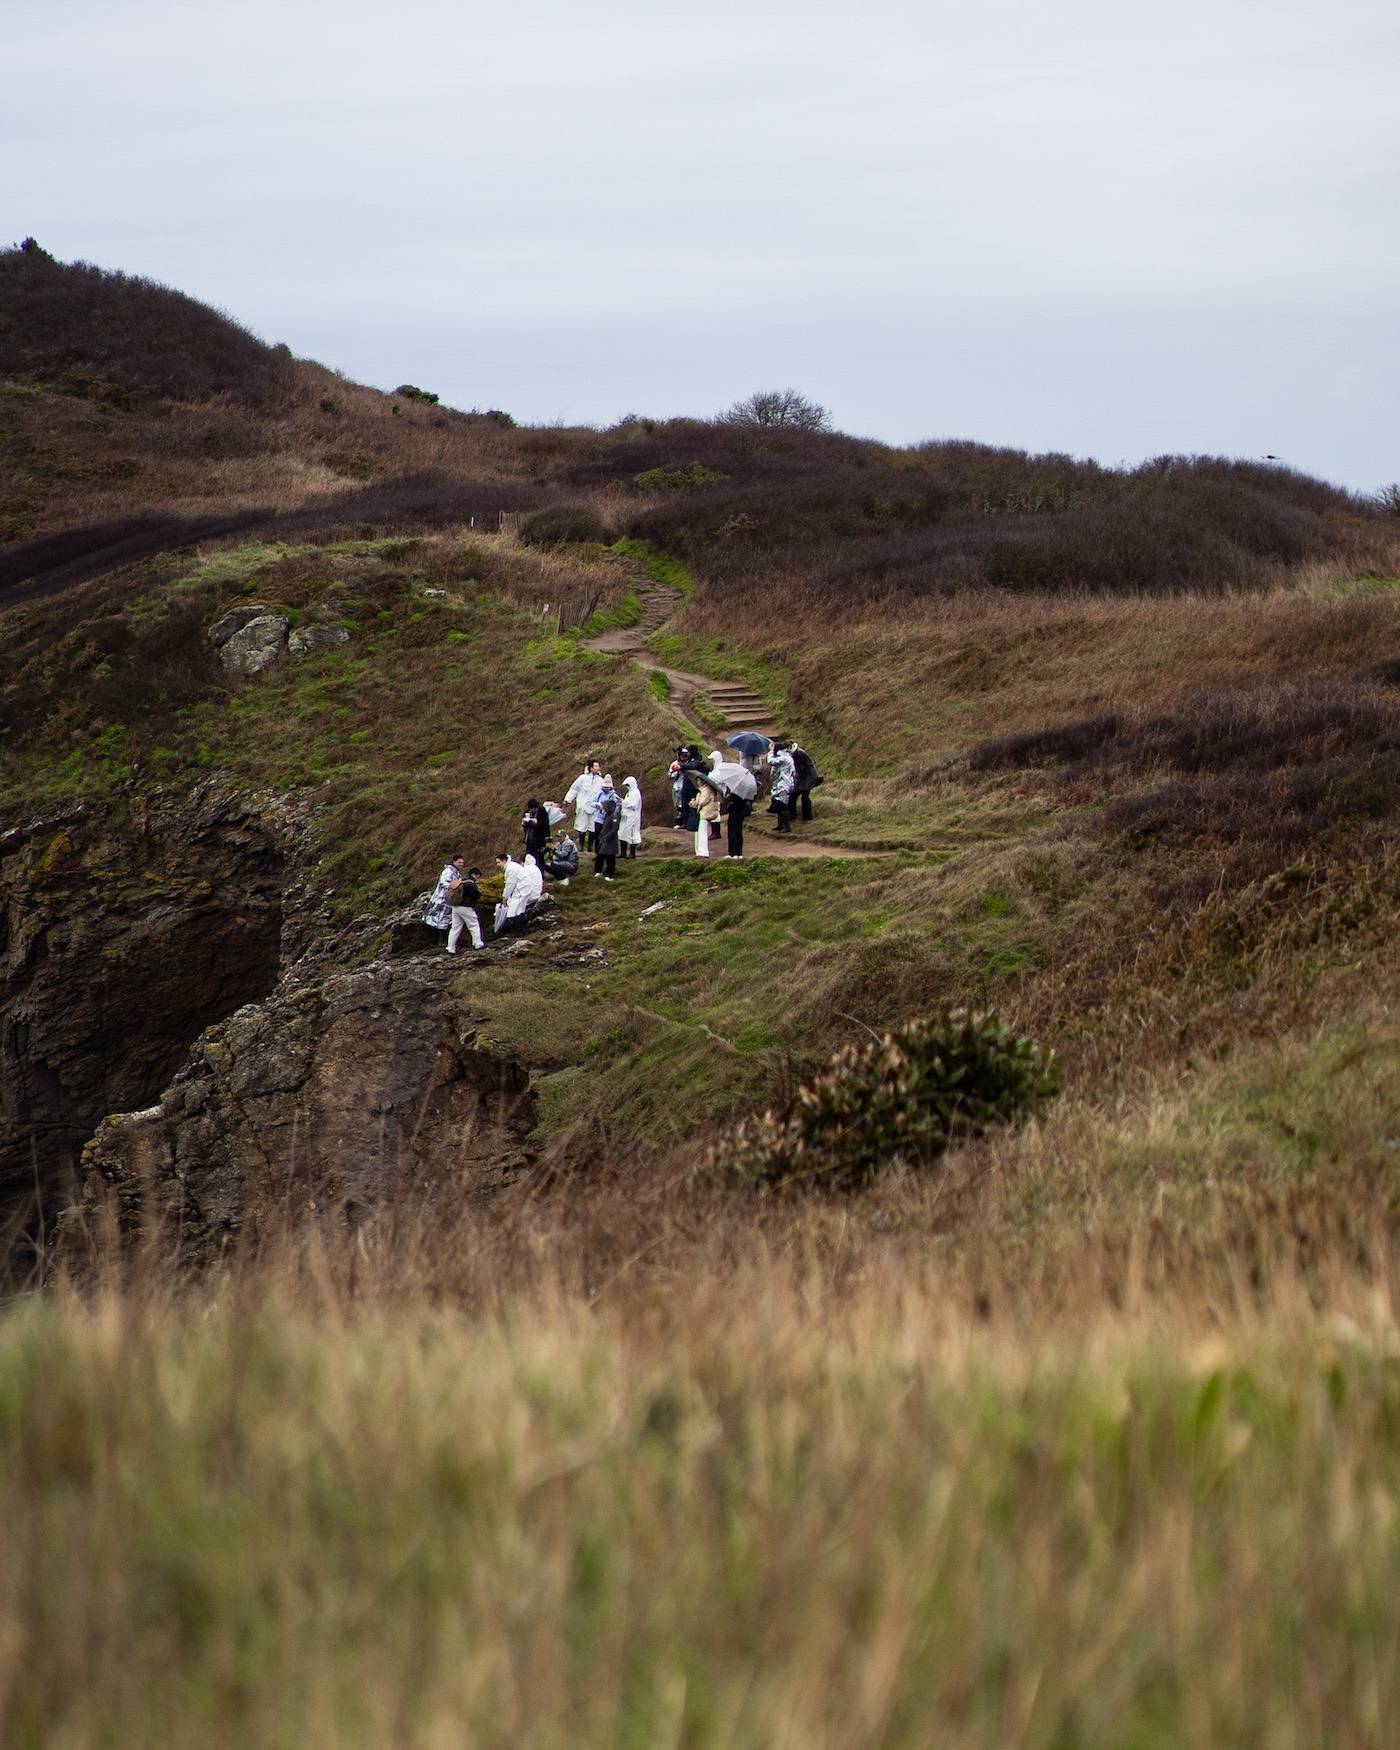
{"x":738,"y":813}
{"x":607,"y":820}
{"x":686,"y":816}
{"x":534,"y":825}
{"x":464,"y":898}
{"x":808,"y":777}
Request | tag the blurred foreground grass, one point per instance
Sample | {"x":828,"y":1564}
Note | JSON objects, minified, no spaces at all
{"x":742,"y":1510}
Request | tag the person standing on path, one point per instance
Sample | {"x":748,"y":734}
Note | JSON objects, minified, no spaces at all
{"x":738,"y":814}
{"x":807,"y":779}
{"x":465,"y":897}
{"x":630,"y":830}
{"x":782,"y":778}
{"x":607,"y":819}
{"x":583,"y":793}
{"x":708,"y":801}
{"x":687,"y":756}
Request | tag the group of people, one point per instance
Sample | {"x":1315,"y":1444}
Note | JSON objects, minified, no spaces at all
{"x":608,"y":823}
{"x":729,"y":789}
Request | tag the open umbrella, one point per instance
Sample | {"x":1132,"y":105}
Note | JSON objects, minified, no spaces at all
{"x":737,"y":779}
{"x":750,"y":744}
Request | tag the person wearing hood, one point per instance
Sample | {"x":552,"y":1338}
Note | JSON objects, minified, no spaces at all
{"x":607,"y":820}
{"x":534,"y":827}
{"x":630,"y":828}
{"x":806,"y":779}
{"x":782,"y":778}
{"x":686,"y":757}
{"x":512,"y":905}
{"x":583,"y":793}
{"x":438,"y":915}
{"x":523,"y":886}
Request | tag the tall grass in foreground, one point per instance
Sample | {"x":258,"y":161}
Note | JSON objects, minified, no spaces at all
{"x":754,"y":1501}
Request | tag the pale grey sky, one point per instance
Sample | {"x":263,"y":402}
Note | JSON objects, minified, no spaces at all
{"x":1091,"y":226}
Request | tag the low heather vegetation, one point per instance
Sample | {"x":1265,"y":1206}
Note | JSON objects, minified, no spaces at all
{"x":109,"y":336}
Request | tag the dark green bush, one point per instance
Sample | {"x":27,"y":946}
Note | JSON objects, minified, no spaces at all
{"x":900,"y":1101}
{"x":678,"y":479}
{"x":559,"y":523}
{"x":411,"y":392}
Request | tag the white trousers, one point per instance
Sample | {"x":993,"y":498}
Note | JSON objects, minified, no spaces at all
{"x":463,"y":915}
{"x":702,"y":840}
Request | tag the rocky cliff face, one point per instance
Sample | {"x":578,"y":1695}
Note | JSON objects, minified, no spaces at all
{"x":179,"y":1002}
{"x":118,"y":944}
{"x":340,"y":1090}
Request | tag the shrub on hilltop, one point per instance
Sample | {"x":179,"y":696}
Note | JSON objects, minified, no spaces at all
{"x":89,"y":330}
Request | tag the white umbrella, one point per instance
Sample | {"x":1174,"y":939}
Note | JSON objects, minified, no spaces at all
{"x":737,"y":779}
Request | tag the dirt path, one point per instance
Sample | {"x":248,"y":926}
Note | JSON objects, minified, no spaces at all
{"x":742,"y":708}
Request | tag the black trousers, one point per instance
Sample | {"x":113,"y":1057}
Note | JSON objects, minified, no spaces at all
{"x":784,"y":815}
{"x":737,"y":811}
{"x":628,"y":851}
{"x":805,"y":798}
{"x":604,"y":865}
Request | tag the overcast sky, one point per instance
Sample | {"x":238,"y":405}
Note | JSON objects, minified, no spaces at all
{"x":1092,"y":226}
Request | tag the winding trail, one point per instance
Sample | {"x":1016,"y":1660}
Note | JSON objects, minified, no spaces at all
{"x":740,"y":706}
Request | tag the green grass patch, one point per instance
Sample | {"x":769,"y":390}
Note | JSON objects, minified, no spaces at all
{"x":660,"y":567}
{"x":626,"y":612}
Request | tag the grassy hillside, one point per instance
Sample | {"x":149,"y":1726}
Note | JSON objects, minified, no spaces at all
{"x":1082,"y":1434}
{"x":454,"y":701}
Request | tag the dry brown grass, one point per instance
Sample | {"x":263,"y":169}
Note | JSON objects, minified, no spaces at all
{"x":948,"y":671}
{"x":631,"y":1463}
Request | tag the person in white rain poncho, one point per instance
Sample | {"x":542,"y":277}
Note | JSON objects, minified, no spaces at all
{"x":630,"y":832}
{"x":523,"y":886}
{"x":583,"y":793}
{"x":438,"y":915}
{"x":782,"y":781}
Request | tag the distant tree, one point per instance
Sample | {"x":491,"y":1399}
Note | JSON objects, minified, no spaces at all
{"x":1388,"y":498}
{"x":778,"y":407}
{"x":411,"y":392}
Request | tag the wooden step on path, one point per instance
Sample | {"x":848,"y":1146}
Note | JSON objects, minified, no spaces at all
{"x":742,"y":707}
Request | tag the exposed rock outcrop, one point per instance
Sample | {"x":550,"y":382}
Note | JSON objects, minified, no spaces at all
{"x":256,"y":645}
{"x":179,"y":999}
{"x":307,"y":640}
{"x":343,"y":1090}
{"x":234,"y":621}
{"x":119,"y":942}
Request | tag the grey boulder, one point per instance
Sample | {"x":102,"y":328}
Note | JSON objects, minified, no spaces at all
{"x":234,"y":621}
{"x":256,"y":645}
{"x":307,"y":640}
